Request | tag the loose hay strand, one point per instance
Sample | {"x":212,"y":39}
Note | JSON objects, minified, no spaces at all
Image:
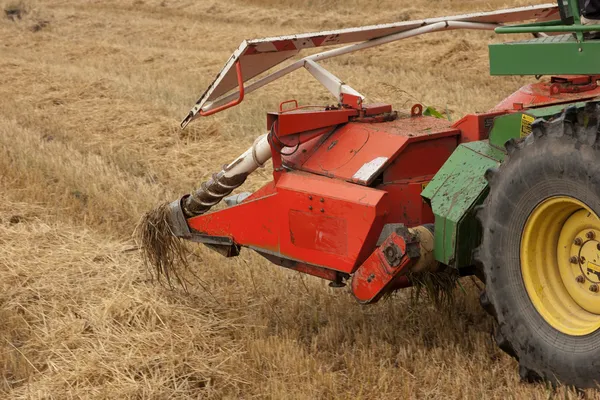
{"x":163,"y":253}
{"x":439,"y":287}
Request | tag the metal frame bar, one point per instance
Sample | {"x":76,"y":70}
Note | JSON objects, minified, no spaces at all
{"x":312,"y":59}
{"x":330,"y":81}
{"x":234,"y":102}
{"x":547,"y":28}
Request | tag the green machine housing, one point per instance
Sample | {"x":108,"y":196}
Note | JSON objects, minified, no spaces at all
{"x":560,"y":47}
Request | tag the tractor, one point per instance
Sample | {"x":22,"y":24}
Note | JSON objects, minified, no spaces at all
{"x":366,"y":195}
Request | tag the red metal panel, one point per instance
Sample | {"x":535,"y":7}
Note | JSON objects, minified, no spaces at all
{"x":251,"y":223}
{"x":301,"y":120}
{"x":541,"y":94}
{"x":476,"y":127}
{"x":268,"y":189}
{"x":316,"y":231}
{"x":354,"y":145}
{"x":360,"y":207}
{"x":318,"y":220}
{"x":376,"y":108}
{"x":314,"y":270}
{"x":422,"y":158}
{"x":304,"y":152}
{"x":320,"y":272}
{"x":375,"y":275}
{"x":408,"y":207}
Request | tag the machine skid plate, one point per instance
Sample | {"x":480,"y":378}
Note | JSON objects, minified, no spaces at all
{"x":385,"y":267}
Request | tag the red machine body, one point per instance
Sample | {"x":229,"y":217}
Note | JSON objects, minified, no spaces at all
{"x":324,"y":206}
{"x":342,"y":174}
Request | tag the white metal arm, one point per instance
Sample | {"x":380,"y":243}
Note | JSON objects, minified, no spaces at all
{"x":257,"y":56}
{"x":328,"y":80}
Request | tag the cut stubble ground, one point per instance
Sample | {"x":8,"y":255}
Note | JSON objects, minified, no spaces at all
{"x":91,"y":94}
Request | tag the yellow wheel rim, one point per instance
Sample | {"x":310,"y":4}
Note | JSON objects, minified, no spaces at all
{"x":560,"y":264}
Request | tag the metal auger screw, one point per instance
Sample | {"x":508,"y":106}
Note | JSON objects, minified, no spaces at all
{"x":594,"y":288}
{"x":578,"y":241}
{"x":573,"y":260}
{"x":580,"y":279}
{"x":590,"y":235}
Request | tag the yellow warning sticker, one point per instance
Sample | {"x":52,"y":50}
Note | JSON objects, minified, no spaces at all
{"x":526,"y":122}
{"x":593,"y":269}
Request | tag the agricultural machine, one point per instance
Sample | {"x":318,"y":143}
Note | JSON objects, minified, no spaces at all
{"x":371,"y":196}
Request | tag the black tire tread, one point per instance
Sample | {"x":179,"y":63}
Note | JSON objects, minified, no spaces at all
{"x":577,"y":126}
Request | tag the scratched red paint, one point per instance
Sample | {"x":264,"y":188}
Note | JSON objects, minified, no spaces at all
{"x":318,"y":232}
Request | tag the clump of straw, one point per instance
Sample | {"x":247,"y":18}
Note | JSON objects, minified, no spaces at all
{"x":439,"y":286}
{"x":163,"y":253}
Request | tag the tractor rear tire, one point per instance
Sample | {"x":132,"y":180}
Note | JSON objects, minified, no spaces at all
{"x":540,"y":250}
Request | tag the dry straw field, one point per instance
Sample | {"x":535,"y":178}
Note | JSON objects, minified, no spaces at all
{"x":91,"y":94}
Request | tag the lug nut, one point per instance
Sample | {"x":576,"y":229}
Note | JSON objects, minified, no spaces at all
{"x":573,"y":260}
{"x":580,"y":279}
{"x":590,"y":235}
{"x":594,"y":288}
{"x":578,"y":241}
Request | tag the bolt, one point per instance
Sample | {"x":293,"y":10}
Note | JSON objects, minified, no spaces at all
{"x":598,"y":246}
{"x":582,"y":260}
{"x":322,"y":200}
{"x":590,"y":235}
{"x":580,"y":279}
{"x":578,"y":241}
{"x":310,"y":207}
{"x":322,"y":210}
{"x":310,"y":197}
{"x":594,"y":288}
{"x":573,"y":260}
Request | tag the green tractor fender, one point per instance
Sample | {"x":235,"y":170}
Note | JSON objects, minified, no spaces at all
{"x":460,"y":185}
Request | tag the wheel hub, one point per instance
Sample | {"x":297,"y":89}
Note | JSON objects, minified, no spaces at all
{"x":560,"y":264}
{"x":589,"y":261}
{"x":582,"y":278}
